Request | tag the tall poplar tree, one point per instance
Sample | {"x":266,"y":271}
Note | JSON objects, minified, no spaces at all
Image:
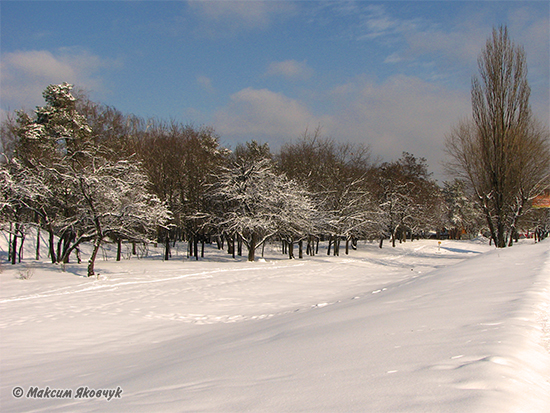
{"x":502,"y":152}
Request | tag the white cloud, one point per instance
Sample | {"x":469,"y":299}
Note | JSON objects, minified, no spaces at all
{"x":233,"y":16}
{"x":25,"y":74}
{"x":378,"y":22}
{"x":460,"y":46}
{"x":393,"y":58}
{"x":265,"y":115}
{"x":403,"y":113}
{"x":290,"y":69}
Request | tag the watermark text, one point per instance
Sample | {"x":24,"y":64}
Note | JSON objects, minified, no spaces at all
{"x":83,"y":392}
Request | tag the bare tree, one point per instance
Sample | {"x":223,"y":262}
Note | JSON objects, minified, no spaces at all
{"x":179,"y":161}
{"x":336,"y":176}
{"x":503,"y":151}
{"x":405,"y":198}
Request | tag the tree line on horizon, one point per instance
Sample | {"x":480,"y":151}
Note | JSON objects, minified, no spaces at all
{"x":85,"y":172}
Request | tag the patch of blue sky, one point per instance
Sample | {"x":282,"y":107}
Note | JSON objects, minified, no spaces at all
{"x":392,"y":74}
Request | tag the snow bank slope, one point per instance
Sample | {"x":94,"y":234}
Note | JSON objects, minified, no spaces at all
{"x":468,"y":337}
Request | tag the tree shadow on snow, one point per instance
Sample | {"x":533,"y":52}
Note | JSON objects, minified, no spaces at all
{"x":460,"y":251}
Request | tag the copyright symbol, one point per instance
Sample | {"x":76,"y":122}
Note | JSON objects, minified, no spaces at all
{"x":17,"y":392}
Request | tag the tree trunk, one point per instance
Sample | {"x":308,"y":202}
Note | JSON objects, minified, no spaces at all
{"x":300,"y":249}
{"x":167,"y":247}
{"x":381,"y":242}
{"x":20,"y":252}
{"x":10,"y":239}
{"x":67,"y":239}
{"x":511,"y":241}
{"x":51,"y":242}
{"x":490,"y":224}
{"x":190,"y":245}
{"x":58,"y":253}
{"x":119,"y":248}
{"x":91,"y":261}
{"x":196,"y":247}
{"x":75,"y":246}
{"x":78,"y":259}
{"x":14,"y":246}
{"x":239,"y":245}
{"x":37,"y":242}
{"x":231,"y":245}
{"x":252,"y":248}
{"x":513,"y":230}
{"x":500,"y":235}
{"x":64,"y":244}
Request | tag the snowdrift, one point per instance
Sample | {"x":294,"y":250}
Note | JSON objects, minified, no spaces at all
{"x":418,"y":328}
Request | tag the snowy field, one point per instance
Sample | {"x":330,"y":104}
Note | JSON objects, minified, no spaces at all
{"x":460,"y":327}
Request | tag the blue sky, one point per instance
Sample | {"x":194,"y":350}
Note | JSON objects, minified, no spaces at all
{"x":393,"y":74}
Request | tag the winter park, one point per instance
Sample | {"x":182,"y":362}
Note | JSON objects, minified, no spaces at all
{"x":252,"y":262}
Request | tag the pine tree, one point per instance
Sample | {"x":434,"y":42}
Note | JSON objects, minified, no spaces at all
{"x":93,"y":193}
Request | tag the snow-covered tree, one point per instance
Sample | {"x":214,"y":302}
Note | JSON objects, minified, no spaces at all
{"x":407,"y":200}
{"x":257,"y":203}
{"x":250,"y":209}
{"x":92,"y":192}
{"x":351,"y":213}
{"x":57,"y":129}
{"x":298,"y":218}
{"x":112,"y":201}
{"x":44,"y":143}
{"x":20,"y":194}
{"x":335,"y":174}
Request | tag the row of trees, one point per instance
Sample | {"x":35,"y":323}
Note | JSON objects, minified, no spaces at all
{"x":84,"y":172}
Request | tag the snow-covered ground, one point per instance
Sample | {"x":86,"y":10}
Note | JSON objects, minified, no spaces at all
{"x":460,"y":327}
